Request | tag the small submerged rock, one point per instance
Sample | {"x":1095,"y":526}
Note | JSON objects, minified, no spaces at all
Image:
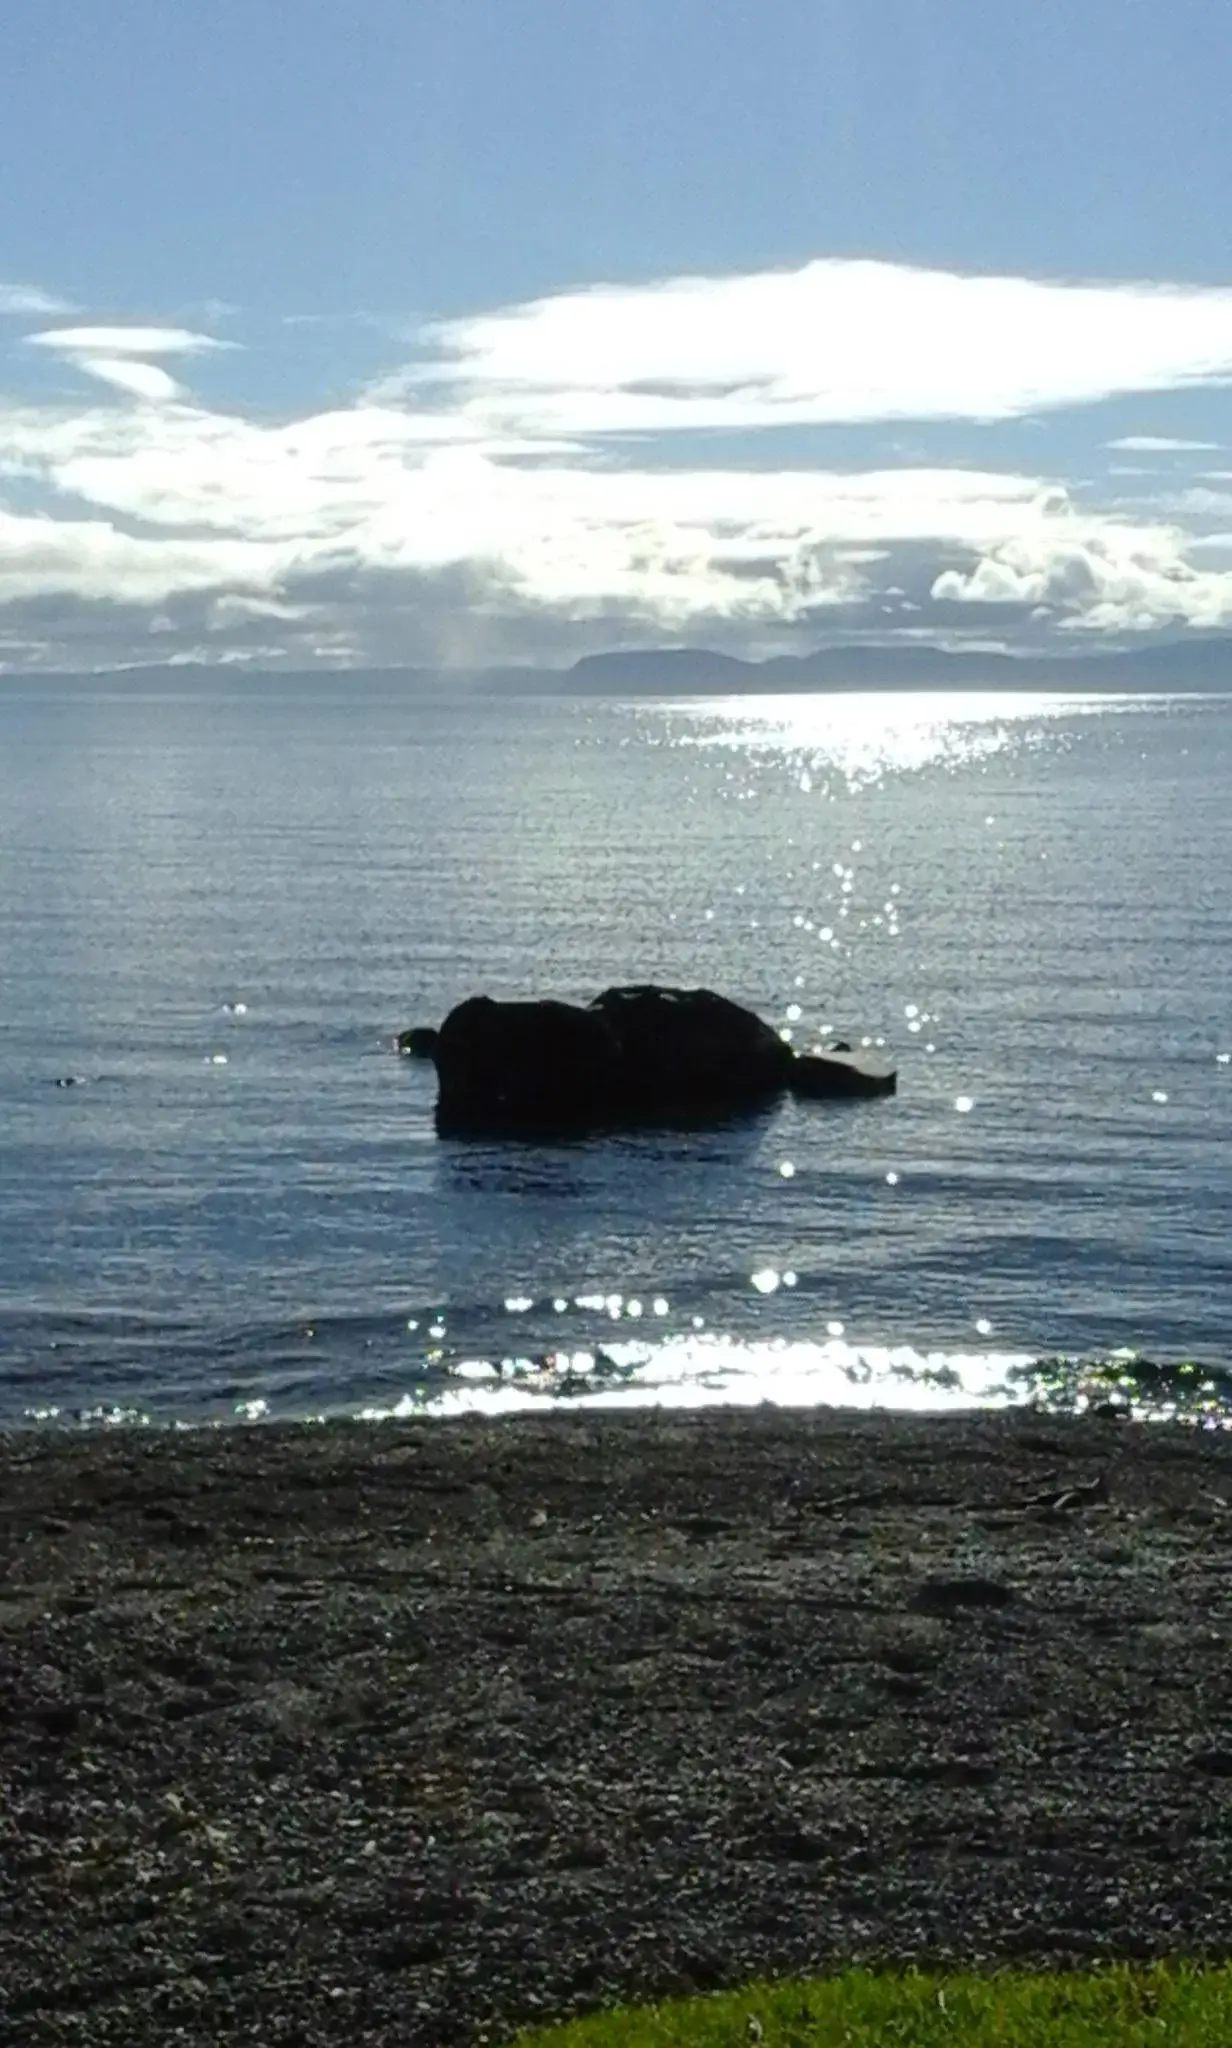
{"x":419,"y":1043}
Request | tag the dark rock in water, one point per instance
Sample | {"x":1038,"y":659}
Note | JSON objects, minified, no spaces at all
{"x":525,"y":1067}
{"x":689,"y":1052}
{"x":635,"y":1055}
{"x":419,"y":1042}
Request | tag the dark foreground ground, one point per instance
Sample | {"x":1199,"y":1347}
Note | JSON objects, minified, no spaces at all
{"x":407,"y":1734}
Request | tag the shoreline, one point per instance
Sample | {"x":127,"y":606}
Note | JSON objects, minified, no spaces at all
{"x":1190,"y":1386}
{"x":416,"y":1731}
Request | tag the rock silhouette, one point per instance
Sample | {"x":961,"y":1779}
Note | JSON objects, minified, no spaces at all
{"x":637,"y":1055}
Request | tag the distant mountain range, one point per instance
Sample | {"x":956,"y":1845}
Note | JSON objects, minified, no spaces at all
{"x":1197,"y":665}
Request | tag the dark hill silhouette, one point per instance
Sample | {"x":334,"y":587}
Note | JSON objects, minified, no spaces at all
{"x":1199,"y":664}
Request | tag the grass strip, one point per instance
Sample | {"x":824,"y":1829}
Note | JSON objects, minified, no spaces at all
{"x":1165,"y":2005}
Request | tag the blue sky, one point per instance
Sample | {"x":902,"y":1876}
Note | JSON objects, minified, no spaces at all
{"x":477,"y":331}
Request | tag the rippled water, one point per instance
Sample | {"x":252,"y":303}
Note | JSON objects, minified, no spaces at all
{"x":217,"y":904}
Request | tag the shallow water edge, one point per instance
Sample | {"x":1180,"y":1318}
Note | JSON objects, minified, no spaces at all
{"x":776,"y":1377}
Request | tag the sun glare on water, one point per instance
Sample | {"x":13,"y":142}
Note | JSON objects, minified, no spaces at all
{"x":862,"y":737}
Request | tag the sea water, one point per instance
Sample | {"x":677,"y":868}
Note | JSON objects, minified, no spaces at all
{"x":221,"y":897}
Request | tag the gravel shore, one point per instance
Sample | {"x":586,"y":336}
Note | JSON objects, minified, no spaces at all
{"x":411,"y":1733}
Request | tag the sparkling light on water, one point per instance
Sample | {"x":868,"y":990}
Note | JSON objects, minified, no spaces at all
{"x":864,"y":737}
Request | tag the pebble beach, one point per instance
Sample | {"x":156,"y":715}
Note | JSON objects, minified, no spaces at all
{"x":417,"y":1733}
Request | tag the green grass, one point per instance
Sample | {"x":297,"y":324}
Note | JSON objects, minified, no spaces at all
{"x":1177,"y":2004}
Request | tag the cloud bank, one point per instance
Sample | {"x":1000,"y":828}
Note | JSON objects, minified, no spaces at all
{"x":831,"y":343}
{"x":545,"y":479}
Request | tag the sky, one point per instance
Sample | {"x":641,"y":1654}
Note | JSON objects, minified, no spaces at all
{"x":473,"y":332}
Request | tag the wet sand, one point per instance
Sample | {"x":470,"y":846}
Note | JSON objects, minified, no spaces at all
{"x":411,"y":1733}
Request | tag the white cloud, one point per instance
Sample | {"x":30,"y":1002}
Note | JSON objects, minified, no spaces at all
{"x":1159,"y":444}
{"x":1109,"y":579}
{"x":832,"y":342}
{"x":92,"y":559}
{"x":140,"y":380}
{"x":481,"y":505}
{"x":116,"y":356}
{"x":30,"y":301}
{"x":380,"y":488}
{"x":1201,"y":501}
{"x":126,"y":341}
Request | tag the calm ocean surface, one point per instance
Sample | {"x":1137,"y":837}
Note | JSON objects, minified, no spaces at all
{"x":218,"y":903}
